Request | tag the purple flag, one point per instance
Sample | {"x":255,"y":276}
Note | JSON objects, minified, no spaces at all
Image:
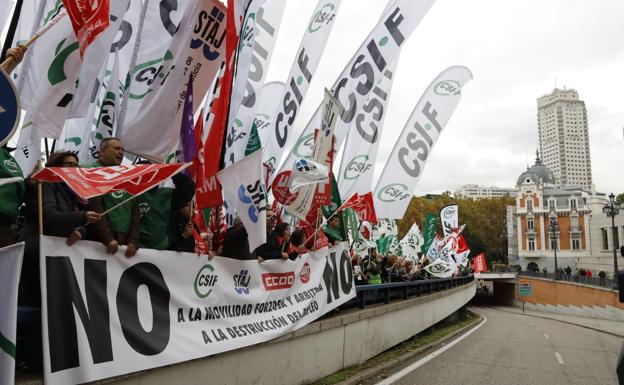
{"x":187,"y":134}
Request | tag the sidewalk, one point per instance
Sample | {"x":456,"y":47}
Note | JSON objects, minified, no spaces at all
{"x":615,"y":328}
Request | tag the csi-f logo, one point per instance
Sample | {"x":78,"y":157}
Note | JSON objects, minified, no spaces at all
{"x":145,"y":74}
{"x":449,"y":211}
{"x":144,"y":208}
{"x":241,"y":282}
{"x":303,"y":147}
{"x":447,"y":88}
{"x":12,"y":167}
{"x":393,"y":192}
{"x":255,"y":196}
{"x":357,"y":166}
{"x":324,"y":16}
{"x":205,"y":281}
{"x":209,"y":33}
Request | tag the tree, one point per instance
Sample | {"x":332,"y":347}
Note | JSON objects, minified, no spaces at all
{"x":620,"y":198}
{"x":485,"y":221}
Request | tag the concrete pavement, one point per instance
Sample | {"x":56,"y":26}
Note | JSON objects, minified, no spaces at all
{"x":512,"y":348}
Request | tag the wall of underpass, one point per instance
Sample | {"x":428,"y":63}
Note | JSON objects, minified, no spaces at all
{"x":351,"y":337}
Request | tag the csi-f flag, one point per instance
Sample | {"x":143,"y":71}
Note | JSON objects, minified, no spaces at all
{"x":243,"y":187}
{"x":404,"y":168}
{"x":449,"y":218}
{"x":10,"y":269}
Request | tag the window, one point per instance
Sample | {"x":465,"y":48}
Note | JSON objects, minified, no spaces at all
{"x":551,"y":204}
{"x":553,"y":243}
{"x":530,"y":224}
{"x":574,"y":222}
{"x":531,"y":244}
{"x":529,"y":204}
{"x":573,"y":203}
{"x":576,"y":244}
{"x":605,"y":239}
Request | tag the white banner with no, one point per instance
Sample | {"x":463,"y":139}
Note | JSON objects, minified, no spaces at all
{"x":109,"y":315}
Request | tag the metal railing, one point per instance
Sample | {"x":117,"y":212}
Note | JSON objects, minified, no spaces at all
{"x":608,"y":283}
{"x":386,"y":292}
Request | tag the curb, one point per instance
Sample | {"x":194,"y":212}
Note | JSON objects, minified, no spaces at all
{"x":564,"y":321}
{"x":372,"y":372}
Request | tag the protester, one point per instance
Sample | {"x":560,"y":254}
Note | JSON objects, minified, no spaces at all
{"x":236,"y":242}
{"x":11,"y":196}
{"x":332,"y":230}
{"x":282,"y":234}
{"x":358,"y":275}
{"x":15,"y":53}
{"x":121,"y":226}
{"x":271,"y":249}
{"x":371,"y":267}
{"x":296,"y":246}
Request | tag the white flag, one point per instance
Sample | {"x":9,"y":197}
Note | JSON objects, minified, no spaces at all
{"x":308,"y":172}
{"x":254,"y":56}
{"x":265,"y":110}
{"x":365,"y":69}
{"x":412,"y":242}
{"x":449,"y":218}
{"x":360,"y":152}
{"x":28,"y":149}
{"x":57,"y":51}
{"x":243,"y":187}
{"x":109,"y":110}
{"x":306,"y":61}
{"x":10,"y":270}
{"x":407,"y":160}
{"x":441,"y":268}
{"x":197,"y":49}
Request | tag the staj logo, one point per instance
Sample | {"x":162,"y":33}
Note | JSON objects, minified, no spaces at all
{"x":205,"y":281}
{"x":207,"y":31}
{"x":255,"y":199}
{"x":278,"y":281}
{"x":241,"y":282}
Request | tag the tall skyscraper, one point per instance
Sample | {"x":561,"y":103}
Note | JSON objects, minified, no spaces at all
{"x":563,"y":137}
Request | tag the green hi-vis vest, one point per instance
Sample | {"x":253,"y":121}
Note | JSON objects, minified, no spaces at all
{"x":119,"y":219}
{"x":155,"y":209}
{"x":333,"y":233}
{"x":11,"y":194}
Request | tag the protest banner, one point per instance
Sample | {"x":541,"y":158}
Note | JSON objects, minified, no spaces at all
{"x":105,"y":316}
{"x":10,"y":268}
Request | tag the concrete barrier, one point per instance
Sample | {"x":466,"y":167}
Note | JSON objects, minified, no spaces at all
{"x":317,"y":350}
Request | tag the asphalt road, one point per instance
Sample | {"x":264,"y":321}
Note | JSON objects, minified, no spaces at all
{"x":515,"y":349}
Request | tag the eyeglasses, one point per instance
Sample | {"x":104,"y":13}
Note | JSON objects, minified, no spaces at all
{"x":69,"y":164}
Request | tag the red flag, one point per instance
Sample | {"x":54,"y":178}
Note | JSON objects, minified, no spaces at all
{"x":91,"y":182}
{"x":220,"y":108}
{"x":363,"y":206}
{"x":89,"y":19}
{"x":479,"y":263}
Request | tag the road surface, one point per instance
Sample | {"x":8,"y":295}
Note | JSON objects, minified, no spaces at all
{"x":515,"y":349}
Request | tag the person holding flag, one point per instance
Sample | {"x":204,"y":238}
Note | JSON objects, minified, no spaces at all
{"x":14,"y":57}
{"x":121,"y":226}
{"x":11,"y":196}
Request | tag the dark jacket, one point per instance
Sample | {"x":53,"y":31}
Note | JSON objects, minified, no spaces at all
{"x":271,"y":249}
{"x":236,"y":244}
{"x":177,"y":241}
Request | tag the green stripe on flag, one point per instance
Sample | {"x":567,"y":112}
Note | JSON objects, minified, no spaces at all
{"x":7,"y":346}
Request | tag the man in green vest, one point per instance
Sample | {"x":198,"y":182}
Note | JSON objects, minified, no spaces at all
{"x":332,"y":230}
{"x":121,"y":226}
{"x":372,"y":267}
{"x":11,"y":196}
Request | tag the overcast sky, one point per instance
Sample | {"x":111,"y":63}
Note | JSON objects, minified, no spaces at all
{"x":517,"y":51}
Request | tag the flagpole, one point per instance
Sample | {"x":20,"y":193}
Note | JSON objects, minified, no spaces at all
{"x":40,"y":207}
{"x":327,"y":220}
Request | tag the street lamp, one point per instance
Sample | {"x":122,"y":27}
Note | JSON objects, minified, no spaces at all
{"x":611,"y":209}
{"x":554,"y":228}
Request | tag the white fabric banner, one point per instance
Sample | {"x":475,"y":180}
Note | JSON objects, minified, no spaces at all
{"x":10,"y":270}
{"x":322,"y":154}
{"x":255,"y":53}
{"x":109,"y":110}
{"x":28,"y":148}
{"x":401,"y":173}
{"x":105,"y":315}
{"x":265,"y":110}
{"x":381,"y":47}
{"x":360,"y":153}
{"x":197,"y":50}
{"x":58,"y":56}
{"x":412,"y":242}
{"x":449,"y":218}
{"x":307,"y":60}
{"x":243,"y":188}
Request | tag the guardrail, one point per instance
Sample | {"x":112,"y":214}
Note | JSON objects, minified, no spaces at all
{"x":592,"y":281}
{"x":386,"y":292}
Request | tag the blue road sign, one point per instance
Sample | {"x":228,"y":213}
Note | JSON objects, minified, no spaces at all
{"x":9,"y":108}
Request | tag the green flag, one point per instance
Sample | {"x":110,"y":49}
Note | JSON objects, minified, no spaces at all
{"x":253,"y":144}
{"x":429,"y":231}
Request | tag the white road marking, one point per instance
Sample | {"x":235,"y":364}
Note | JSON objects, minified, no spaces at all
{"x":559,"y":358}
{"x":398,"y":375}
{"x":546,"y":336}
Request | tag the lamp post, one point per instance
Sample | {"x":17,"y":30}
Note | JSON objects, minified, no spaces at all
{"x":611,"y":209}
{"x":554,"y":227}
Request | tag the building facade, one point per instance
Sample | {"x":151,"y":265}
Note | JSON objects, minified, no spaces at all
{"x":533,"y":237}
{"x":474,"y":192}
{"x":564,"y":139}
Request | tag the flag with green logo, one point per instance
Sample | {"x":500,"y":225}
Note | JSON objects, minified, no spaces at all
{"x":10,"y":269}
{"x":429,"y":231}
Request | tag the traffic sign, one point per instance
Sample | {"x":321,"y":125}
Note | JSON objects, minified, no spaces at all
{"x":525,"y":288}
{"x":9,"y":108}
